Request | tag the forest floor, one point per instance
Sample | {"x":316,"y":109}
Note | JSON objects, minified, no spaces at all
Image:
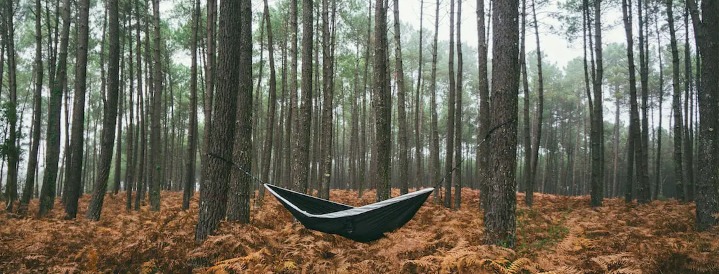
{"x":558,"y":235}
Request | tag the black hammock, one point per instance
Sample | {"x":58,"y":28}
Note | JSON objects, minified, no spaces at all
{"x":363,"y":224}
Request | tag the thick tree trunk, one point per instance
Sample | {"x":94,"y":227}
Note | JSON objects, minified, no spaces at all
{"x":597,"y":194}
{"x":707,"y":38}
{"x":301,"y":151}
{"x":484,"y":119}
{"x":238,"y":203}
{"x":382,"y":104}
{"x":325,"y":157}
{"x":499,"y":215}
{"x":213,"y":195}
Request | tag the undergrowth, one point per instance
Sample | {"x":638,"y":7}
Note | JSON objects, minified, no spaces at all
{"x":558,"y":235}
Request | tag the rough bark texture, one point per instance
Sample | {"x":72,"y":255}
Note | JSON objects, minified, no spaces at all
{"x":499,"y":215}
{"x":238,"y":203}
{"x":292,"y":112}
{"x":707,"y":37}
{"x":109,"y":118}
{"x":327,"y":107}
{"x":643,"y":189}
{"x":301,"y":153}
{"x":401,"y":107}
{"x":213,"y":196}
{"x":10,"y":144}
{"x":381,"y":102}
{"x":74,"y":170}
{"x":483,"y":146}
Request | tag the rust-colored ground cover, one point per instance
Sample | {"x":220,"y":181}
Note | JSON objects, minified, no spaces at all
{"x":558,"y":235}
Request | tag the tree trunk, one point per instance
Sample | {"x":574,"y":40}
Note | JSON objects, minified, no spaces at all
{"x":687,"y":140}
{"x":11,"y":148}
{"x":449,"y":156}
{"x":527,"y":168}
{"x":301,"y":165}
{"x":643,"y":189}
{"x":109,"y":115}
{"x":401,"y":108}
{"x":457,"y":176}
{"x":658,"y":171}
{"x":189,"y":180}
{"x":499,"y":215}
{"x":434,"y":131}
{"x":37,"y":111}
{"x":382,"y":104}
{"x":529,"y":198}
{"x":155,"y":163}
{"x":74,"y":169}
{"x":238,"y":203}
{"x":597,"y":194}
{"x":213,"y":195}
{"x":634,"y":143}
{"x":210,"y":78}
{"x":484,"y":119}
{"x":130,"y":150}
{"x":418,"y":146}
{"x":271,"y":102}
{"x":707,"y":38}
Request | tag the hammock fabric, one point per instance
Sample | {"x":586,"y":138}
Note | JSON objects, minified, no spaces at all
{"x":362,"y":224}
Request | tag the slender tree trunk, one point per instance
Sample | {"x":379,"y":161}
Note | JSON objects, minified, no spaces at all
{"x":109,"y":115}
{"x":292,"y":115}
{"x":457,"y":176}
{"x":499,"y":216}
{"x":658,"y":172}
{"x":418,"y":146}
{"x":529,"y":198}
{"x":74,"y":170}
{"x":271,"y":102}
{"x":434,"y":131}
{"x":643,"y":189}
{"x":676,"y":105}
{"x":11,"y":144}
{"x":210,"y":78}
{"x":687,"y":140}
{"x":484,"y":119}
{"x":189,"y":180}
{"x":37,"y":111}
{"x":155,"y":162}
{"x":401,"y":108}
{"x":598,"y":121}
{"x":449,"y":156}
{"x":527,"y":168}
{"x":634,"y":144}
{"x":130,"y":150}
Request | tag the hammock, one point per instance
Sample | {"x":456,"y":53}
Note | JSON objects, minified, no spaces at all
{"x":363,"y":224}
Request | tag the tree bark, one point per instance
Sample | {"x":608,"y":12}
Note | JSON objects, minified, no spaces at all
{"x":457,"y":176}
{"x":707,"y":38}
{"x":37,"y":111}
{"x":401,"y":106}
{"x":189,"y":180}
{"x":634,"y":144}
{"x":238,"y":202}
{"x":418,"y":146}
{"x":449,"y":155}
{"x":109,"y":119}
{"x":10,"y":144}
{"x":213,"y":195}
{"x":499,"y":215}
{"x":484,"y":119}
{"x":382,"y":104}
{"x":643,"y":189}
{"x":676,"y":105}
{"x":434,"y":131}
{"x":301,"y":153}
{"x":155,"y":164}
{"x":74,"y":169}
{"x":597,"y":189}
